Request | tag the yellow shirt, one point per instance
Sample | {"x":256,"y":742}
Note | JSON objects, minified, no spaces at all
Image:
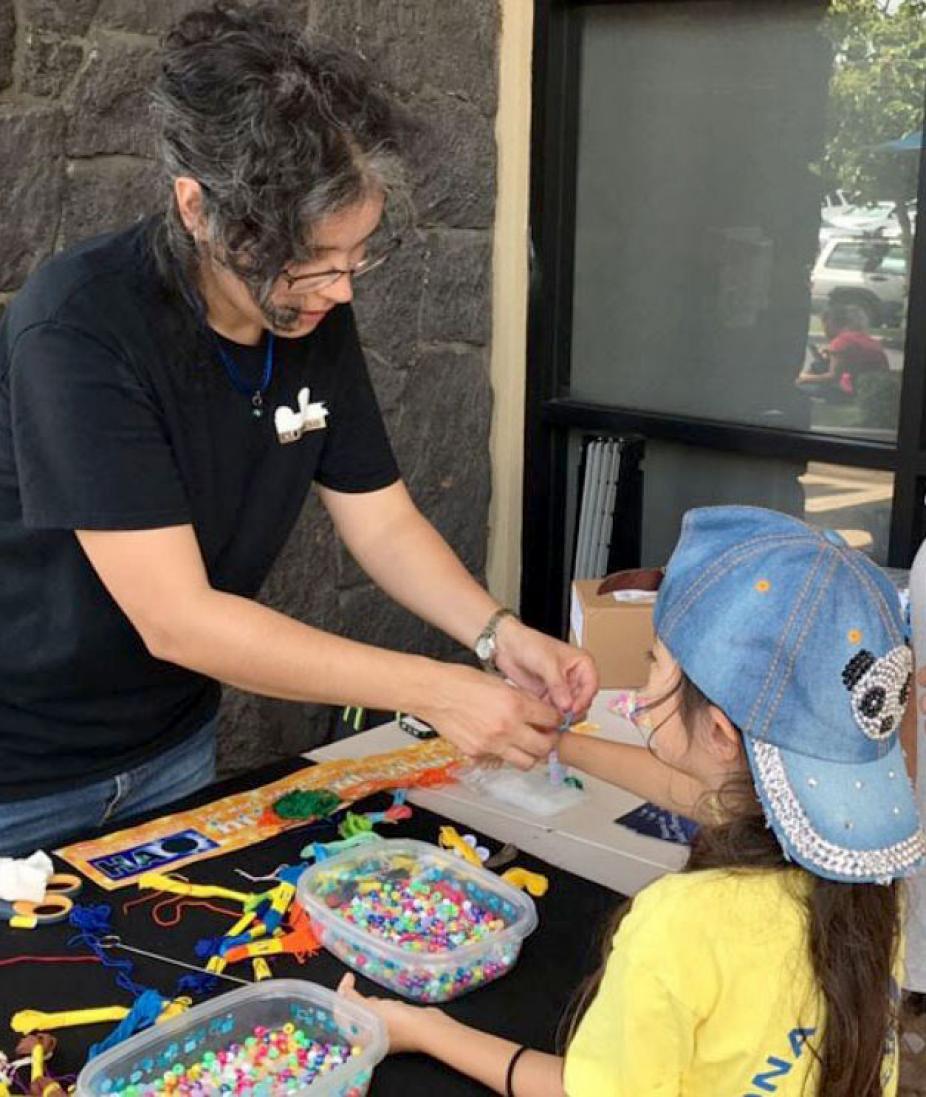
{"x":708,"y":992}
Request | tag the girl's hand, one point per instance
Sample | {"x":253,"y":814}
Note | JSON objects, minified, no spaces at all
{"x":407,"y":1025}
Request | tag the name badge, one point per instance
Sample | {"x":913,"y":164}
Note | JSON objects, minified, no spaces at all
{"x":291,"y":425}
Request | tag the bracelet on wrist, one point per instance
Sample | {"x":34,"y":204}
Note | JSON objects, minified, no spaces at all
{"x":509,"y":1077}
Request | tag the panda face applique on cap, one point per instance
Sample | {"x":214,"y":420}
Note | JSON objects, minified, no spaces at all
{"x":880,"y":689}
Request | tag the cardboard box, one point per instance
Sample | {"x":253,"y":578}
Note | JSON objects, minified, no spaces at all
{"x":618,"y":634}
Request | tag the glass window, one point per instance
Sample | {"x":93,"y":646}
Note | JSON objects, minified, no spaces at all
{"x":856,"y":502}
{"x":894,"y":261}
{"x":849,"y":257}
{"x":745,"y":202}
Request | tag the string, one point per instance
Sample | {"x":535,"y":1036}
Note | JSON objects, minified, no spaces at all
{"x":146,"y":897}
{"x":95,"y":922}
{"x":50,"y":960}
{"x":149,"y":895}
{"x":181,"y":903}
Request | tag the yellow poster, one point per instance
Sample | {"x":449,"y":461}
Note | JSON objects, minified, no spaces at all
{"x":234,"y":822}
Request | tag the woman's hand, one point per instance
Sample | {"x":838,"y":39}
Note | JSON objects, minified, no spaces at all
{"x":556,"y":672}
{"x":407,"y":1025}
{"x":484,"y":716}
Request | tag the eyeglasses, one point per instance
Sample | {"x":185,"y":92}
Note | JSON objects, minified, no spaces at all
{"x":324,"y":278}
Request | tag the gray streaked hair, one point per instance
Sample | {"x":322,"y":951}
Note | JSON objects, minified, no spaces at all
{"x":279,"y":129}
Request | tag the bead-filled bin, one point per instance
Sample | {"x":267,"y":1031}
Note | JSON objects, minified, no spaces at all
{"x":416,"y":919}
{"x":276,"y":1039}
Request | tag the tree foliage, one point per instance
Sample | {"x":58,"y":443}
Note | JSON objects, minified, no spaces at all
{"x":876,"y":96}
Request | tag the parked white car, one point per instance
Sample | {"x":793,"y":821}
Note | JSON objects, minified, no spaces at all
{"x":869,"y":273}
{"x":840,"y":217}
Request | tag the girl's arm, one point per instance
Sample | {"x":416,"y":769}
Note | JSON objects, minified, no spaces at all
{"x":476,"y":1054}
{"x":637,"y":770}
{"x":485,"y":1058}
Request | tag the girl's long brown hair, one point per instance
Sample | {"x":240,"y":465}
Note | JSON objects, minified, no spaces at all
{"x":853,"y":933}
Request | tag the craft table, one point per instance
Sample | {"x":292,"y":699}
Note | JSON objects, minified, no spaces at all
{"x":583,"y":839}
{"x":526,"y":1005}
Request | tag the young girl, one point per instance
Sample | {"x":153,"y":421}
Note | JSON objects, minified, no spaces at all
{"x":771,"y":965}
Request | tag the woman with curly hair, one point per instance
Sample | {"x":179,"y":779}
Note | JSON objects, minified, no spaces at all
{"x":169,"y":395}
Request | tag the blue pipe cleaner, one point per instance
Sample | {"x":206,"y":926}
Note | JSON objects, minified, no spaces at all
{"x":143,"y":1014}
{"x":94,"y":922}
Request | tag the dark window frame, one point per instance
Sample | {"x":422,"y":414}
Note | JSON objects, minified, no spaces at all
{"x":550,"y":414}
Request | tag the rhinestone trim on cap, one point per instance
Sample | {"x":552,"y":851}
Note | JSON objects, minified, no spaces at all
{"x":887,"y":862}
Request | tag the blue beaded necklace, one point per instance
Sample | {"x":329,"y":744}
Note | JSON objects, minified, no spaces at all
{"x":234,"y":375}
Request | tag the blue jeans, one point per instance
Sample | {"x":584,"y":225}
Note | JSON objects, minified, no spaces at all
{"x":43,"y":822}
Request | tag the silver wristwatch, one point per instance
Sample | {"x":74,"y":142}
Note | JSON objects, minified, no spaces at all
{"x":486,"y":642}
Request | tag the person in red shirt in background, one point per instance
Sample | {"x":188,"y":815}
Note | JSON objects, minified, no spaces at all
{"x":850,"y":351}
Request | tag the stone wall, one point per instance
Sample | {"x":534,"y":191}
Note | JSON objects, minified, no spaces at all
{"x":75,"y":158}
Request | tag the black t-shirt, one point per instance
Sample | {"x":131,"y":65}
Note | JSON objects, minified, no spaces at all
{"x":117,"y":413}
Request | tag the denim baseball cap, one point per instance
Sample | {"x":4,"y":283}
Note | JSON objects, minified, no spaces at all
{"x":799,"y":640}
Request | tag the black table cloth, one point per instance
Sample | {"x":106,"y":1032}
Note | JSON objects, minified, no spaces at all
{"x":526,"y":1005}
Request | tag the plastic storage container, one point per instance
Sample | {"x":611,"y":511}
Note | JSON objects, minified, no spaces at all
{"x":230,"y":1019}
{"x":416,"y":967}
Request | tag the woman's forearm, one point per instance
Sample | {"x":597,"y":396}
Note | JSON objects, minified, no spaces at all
{"x":437,"y":588}
{"x":407,"y":558}
{"x":635,"y":769}
{"x":248,"y":645}
{"x":257,"y":649}
{"x":182,"y":619}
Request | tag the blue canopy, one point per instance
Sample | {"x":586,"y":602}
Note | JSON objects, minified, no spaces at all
{"x":913,"y":142}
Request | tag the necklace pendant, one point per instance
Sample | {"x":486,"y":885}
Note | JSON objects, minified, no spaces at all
{"x":239,"y":383}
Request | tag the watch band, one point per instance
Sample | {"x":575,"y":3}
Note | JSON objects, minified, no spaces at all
{"x":486,"y":640}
